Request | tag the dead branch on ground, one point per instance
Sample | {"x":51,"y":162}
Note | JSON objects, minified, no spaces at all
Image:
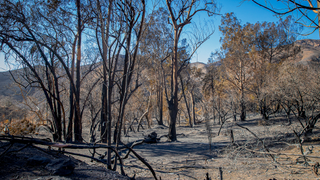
{"x":143,"y":161}
{"x":264,"y":146}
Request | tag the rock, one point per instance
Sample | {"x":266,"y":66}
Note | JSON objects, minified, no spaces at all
{"x":61,"y":167}
{"x":151,"y":138}
{"x":38,"y":161}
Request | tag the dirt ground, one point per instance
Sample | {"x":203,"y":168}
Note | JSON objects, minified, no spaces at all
{"x":191,"y":158}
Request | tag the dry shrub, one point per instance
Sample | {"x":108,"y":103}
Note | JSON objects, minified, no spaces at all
{"x":20,"y":127}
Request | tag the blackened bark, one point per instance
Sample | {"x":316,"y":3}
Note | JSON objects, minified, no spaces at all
{"x":173,"y":111}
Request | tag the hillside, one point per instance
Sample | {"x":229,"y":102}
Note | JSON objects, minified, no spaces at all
{"x":7,"y":86}
{"x":10,"y":89}
{"x":310,"y":50}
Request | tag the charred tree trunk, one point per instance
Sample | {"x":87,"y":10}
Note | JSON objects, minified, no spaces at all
{"x":191,"y":123}
{"x":77,"y":120}
{"x":242,"y":107}
{"x":243,"y":112}
{"x":173,"y":111}
{"x":173,"y":102}
{"x":71,"y":95}
{"x":160,"y":105}
{"x":107,"y":86}
{"x":193,"y":108}
{"x":263,"y":109}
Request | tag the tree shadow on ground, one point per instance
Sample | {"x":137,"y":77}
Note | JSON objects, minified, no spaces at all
{"x":279,"y":119}
{"x":167,"y":149}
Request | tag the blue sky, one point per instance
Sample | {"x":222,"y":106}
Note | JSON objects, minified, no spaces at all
{"x":246,"y":11}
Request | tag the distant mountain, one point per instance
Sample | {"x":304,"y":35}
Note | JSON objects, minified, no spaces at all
{"x":310,"y":54}
{"x":200,"y":65}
